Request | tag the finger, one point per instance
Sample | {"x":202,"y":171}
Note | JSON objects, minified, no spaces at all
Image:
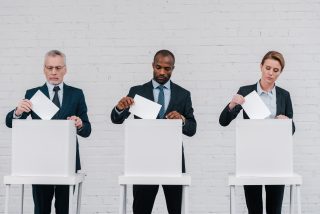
{"x":22,"y":109}
{"x":28,"y":105}
{"x":169,"y":114}
{"x":128,"y":103}
{"x":25,"y":109}
{"x":173,"y":115}
{"x":131,"y":100}
{"x":27,"y":101}
{"x":241,"y":101}
{"x":177,"y":116}
{"x":120,"y":106}
{"x":122,"y":103}
{"x":78,"y":121}
{"x":72,"y":118}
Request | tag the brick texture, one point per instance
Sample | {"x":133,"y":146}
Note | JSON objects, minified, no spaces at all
{"x":218,"y":47}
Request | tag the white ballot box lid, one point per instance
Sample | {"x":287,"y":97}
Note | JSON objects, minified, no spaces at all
{"x":43,"y":148}
{"x":264,"y":147}
{"x":153,"y":147}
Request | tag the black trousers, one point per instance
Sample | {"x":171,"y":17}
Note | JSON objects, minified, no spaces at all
{"x":144,"y":196}
{"x":43,"y":195}
{"x":274,"y":197}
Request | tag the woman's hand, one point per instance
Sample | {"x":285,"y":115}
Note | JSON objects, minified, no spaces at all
{"x":236,"y":100}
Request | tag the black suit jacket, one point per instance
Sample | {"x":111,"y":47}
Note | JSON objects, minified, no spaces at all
{"x":284,"y":105}
{"x":180,"y":101}
{"x":73,"y":103}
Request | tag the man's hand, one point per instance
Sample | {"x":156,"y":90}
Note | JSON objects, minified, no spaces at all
{"x":24,"y":105}
{"x":124,"y":103}
{"x":174,"y":115}
{"x":236,"y":100}
{"x":282,"y":117}
{"x":77,"y":121}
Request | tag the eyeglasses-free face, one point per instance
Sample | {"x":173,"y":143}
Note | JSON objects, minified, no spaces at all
{"x":270,"y":71}
{"x":162,"y":69}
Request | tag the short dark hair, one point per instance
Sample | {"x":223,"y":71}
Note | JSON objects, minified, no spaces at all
{"x":164,"y":53}
{"x":275,"y":55}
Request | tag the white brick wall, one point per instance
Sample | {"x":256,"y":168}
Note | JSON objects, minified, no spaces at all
{"x":218,"y":47}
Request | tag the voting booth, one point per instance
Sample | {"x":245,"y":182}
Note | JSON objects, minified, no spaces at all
{"x":264,"y":147}
{"x":43,"y":148}
{"x":153,"y":147}
{"x":153,"y":156}
{"x":264,"y":156}
{"x":44,"y":152}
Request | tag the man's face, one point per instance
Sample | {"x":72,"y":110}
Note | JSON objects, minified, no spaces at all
{"x":54,"y":69}
{"x":162,"y":69}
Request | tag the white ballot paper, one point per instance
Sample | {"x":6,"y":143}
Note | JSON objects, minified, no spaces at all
{"x":255,"y":107}
{"x":43,"y":106}
{"x":144,"y":108}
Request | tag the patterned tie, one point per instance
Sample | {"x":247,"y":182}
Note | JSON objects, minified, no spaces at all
{"x":55,"y":99}
{"x":161,"y":101}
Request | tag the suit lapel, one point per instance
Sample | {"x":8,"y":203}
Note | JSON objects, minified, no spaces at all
{"x":44,"y":89}
{"x":279,"y":99}
{"x":148,"y":93}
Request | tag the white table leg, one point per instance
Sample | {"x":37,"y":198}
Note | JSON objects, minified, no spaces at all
{"x":123,"y":199}
{"x":232,"y":199}
{"x":185,"y":199}
{"x":79,"y":197}
{"x":298,"y":198}
{"x":6,"y":208}
{"x":22,"y":197}
{"x":70,"y":199}
{"x":291,"y":200}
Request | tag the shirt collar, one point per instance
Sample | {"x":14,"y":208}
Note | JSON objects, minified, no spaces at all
{"x":260,"y":91}
{"x":50,"y":86}
{"x":156,"y":84}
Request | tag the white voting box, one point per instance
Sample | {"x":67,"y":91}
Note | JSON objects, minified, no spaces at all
{"x":264,"y":147}
{"x":43,"y":148}
{"x":153,"y":147}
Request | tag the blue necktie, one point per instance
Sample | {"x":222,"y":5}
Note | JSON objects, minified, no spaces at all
{"x":161,"y":101}
{"x":55,"y":99}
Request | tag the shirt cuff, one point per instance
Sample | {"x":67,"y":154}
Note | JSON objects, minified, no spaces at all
{"x":183,"y":120}
{"x":118,"y":112}
{"x":15,"y":116}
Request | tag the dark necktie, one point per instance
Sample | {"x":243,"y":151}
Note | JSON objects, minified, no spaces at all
{"x":161,"y":101}
{"x":55,"y":99}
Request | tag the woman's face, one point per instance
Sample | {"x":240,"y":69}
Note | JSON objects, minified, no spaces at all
{"x":270,"y":71}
